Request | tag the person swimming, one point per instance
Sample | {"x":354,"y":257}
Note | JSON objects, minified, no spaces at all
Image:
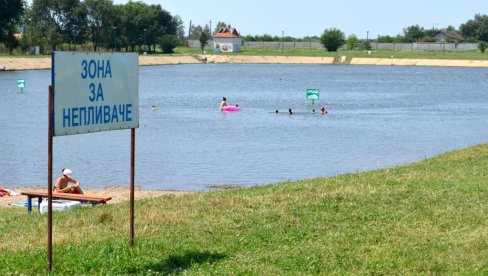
{"x":322,"y":110}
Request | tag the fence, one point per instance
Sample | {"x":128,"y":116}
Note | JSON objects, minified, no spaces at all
{"x":425,"y":46}
{"x":416,"y":46}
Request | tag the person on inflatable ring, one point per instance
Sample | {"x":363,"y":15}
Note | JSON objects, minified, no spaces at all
{"x":223,"y":104}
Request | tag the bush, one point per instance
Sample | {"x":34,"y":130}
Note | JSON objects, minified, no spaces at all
{"x":332,"y":39}
{"x":168,"y":43}
{"x":351,"y":41}
{"x":365,"y":45}
{"x":482,"y":46}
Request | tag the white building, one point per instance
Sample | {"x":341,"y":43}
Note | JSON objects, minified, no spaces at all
{"x":227,"y":40}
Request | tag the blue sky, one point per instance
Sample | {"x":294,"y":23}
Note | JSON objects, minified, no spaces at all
{"x":310,"y":17}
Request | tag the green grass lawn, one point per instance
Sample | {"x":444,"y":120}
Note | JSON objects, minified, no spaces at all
{"x":469,"y":55}
{"x":429,"y":217}
{"x":465,"y":55}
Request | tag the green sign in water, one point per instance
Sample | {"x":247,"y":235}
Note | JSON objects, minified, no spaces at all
{"x":313,"y":94}
{"x":20,"y":83}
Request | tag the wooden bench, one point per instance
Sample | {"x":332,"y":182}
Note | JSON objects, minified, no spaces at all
{"x":93,"y":199}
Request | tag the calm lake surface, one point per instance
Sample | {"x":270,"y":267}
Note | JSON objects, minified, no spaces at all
{"x":378,"y":117}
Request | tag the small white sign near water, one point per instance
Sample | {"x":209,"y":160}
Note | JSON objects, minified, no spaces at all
{"x":313,"y":94}
{"x":95,"y":92}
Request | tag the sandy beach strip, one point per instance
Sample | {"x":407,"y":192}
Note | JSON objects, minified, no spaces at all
{"x":268,"y":59}
{"x":38,"y":63}
{"x":118,"y":194}
{"x":420,"y":62}
{"x":33,"y":63}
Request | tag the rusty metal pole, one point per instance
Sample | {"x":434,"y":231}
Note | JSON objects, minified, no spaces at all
{"x":50,"y":179}
{"x":132,"y":165}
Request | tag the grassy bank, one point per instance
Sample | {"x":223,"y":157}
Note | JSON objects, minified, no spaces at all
{"x":427,"y":217}
{"x":459,"y":55}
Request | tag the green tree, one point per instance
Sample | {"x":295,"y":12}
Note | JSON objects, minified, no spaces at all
{"x":451,"y":28}
{"x":195,"y":31}
{"x":351,"y":41}
{"x":134,"y":21}
{"x":11,"y":41}
{"x":476,"y":29}
{"x":161,"y":23}
{"x":168,"y":42}
{"x":203,"y":40}
{"x":142,"y":24}
{"x":432,"y":32}
{"x":10,"y":14}
{"x":332,"y":39}
{"x":76,"y":24}
{"x":413,"y":33}
{"x":99,"y":20}
{"x":180,"y":28}
{"x":482,"y":46}
{"x":57,"y":21}
{"x":24,"y":44}
{"x":385,"y":39}
{"x":220,"y":24}
{"x":115,"y":35}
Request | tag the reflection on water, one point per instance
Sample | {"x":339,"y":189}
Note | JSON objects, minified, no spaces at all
{"x":378,"y":116}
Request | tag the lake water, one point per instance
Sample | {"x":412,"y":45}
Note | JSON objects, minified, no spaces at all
{"x":378,"y":117}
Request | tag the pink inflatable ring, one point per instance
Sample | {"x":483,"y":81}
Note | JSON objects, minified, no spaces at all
{"x":231,"y":108}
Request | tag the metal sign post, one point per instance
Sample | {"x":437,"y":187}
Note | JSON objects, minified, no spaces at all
{"x":132,"y":174}
{"x":50,"y":179}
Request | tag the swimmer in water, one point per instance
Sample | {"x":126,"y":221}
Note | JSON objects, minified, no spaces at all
{"x":323,"y":111}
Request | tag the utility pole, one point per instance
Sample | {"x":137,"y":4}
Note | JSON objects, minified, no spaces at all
{"x":282,"y":36}
{"x":145,"y":39}
{"x":189,"y":31}
{"x":115,"y":39}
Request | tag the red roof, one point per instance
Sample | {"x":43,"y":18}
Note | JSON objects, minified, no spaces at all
{"x":227,"y":32}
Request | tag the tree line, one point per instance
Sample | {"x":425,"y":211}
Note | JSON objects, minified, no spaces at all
{"x":136,"y":26}
{"x":474,"y":30}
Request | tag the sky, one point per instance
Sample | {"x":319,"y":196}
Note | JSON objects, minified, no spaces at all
{"x":311,"y":17}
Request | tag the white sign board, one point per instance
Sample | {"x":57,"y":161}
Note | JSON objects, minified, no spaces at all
{"x":313,"y":94}
{"x":226,"y":47}
{"x":20,"y":83}
{"x":95,"y":92}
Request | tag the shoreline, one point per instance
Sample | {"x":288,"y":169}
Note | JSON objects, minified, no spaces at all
{"x":42,"y":63}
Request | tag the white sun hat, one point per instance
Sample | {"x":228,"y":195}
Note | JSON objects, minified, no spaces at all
{"x":67,"y":172}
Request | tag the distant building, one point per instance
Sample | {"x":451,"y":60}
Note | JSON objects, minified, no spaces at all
{"x":227,"y":40}
{"x":448,"y":36}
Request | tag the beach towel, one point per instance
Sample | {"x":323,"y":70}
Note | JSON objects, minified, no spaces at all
{"x":24,"y":204}
{"x":6,"y":192}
